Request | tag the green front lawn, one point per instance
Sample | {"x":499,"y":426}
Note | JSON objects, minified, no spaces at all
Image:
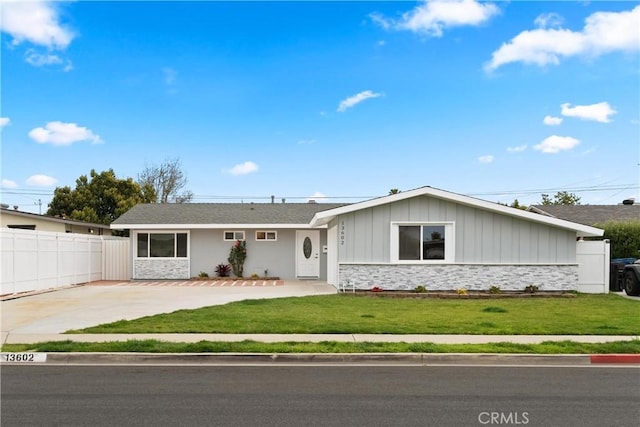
{"x":582,"y":315}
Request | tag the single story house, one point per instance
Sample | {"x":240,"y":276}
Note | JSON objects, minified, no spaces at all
{"x":429,"y":237}
{"x":178,"y":241}
{"x":591,"y":214}
{"x":13,"y":218}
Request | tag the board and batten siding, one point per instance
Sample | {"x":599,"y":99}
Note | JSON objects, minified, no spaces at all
{"x":481,"y":237}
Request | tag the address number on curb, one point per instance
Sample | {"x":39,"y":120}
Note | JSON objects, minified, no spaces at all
{"x":23,"y":357}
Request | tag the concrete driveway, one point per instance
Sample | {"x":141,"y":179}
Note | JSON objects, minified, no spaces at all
{"x":103,"y":302}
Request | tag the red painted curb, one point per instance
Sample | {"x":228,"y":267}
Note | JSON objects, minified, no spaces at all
{"x":615,"y":358}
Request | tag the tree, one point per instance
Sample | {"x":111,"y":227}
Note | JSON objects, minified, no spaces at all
{"x":394,"y":191}
{"x":167,"y":180}
{"x":100,"y":199}
{"x":560,"y":198}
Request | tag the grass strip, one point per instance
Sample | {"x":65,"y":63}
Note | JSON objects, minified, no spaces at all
{"x":326,"y":314}
{"x":155,"y":346}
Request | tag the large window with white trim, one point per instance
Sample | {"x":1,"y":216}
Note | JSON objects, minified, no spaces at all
{"x":162,"y":245}
{"x":416,"y":242}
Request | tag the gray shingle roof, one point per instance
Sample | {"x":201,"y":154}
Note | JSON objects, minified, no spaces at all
{"x":223,"y":213}
{"x":590,"y":214}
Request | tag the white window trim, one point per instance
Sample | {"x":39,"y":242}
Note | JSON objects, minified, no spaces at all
{"x":175,"y":242}
{"x":266,"y":232}
{"x":449,"y":247}
{"x":224,"y":235}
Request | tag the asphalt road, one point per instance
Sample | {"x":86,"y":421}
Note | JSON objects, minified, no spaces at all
{"x":319,"y":396}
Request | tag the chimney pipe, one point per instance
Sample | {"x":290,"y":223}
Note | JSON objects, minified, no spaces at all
{"x":273,"y":198}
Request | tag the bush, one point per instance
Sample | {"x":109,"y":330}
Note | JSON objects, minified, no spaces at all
{"x":237,"y":256}
{"x":624,"y":237}
{"x":223,"y":270}
{"x":203,"y":274}
{"x":420,"y":289}
{"x":531,"y":289}
{"x":495,"y":290}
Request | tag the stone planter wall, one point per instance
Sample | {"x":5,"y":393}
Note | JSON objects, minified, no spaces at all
{"x":161,"y":268}
{"x":446,"y":277}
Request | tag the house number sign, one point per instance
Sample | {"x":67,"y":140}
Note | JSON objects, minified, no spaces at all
{"x":342,"y":233}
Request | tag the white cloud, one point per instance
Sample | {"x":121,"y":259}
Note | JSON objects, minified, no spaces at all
{"x":41,"y":181}
{"x":555,"y":144}
{"x":7,"y":183}
{"x":307,"y":141}
{"x":317,"y":196}
{"x":356,"y":99}
{"x":599,"y":112}
{"x":243,"y":168}
{"x":552,"y":121}
{"x":4,"y":121}
{"x":58,"y":133}
{"x":547,"y":20}
{"x":39,"y":60}
{"x":603,"y":32}
{"x":432,"y":17}
{"x":485,"y":159}
{"x":517,"y":149}
{"x":36,"y":22}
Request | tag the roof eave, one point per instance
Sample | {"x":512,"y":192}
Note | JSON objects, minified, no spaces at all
{"x":206,"y":226}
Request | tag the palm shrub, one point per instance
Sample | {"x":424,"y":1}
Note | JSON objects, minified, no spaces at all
{"x":222,"y":270}
{"x":237,"y":256}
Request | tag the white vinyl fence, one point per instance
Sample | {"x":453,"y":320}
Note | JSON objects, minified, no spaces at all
{"x":35,"y":260}
{"x":594,"y":264}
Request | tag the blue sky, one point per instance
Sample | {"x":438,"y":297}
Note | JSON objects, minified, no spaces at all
{"x":500,"y":100}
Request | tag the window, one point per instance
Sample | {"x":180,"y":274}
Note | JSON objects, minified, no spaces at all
{"x":162,"y":245}
{"x":234,"y":235}
{"x":266,"y":235}
{"x":22,"y":227}
{"x":423,"y":242}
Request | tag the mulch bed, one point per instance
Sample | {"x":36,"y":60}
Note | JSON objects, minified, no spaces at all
{"x":468,"y":295}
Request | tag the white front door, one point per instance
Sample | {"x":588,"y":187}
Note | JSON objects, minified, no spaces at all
{"x":308,"y":253}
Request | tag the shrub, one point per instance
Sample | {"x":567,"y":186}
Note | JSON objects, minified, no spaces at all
{"x":624,"y":237}
{"x":461,"y":291}
{"x":495,"y":290}
{"x":376,"y":289}
{"x":420,"y":289}
{"x":531,"y":289}
{"x":223,"y":270}
{"x":203,"y":274}
{"x":237,"y":256}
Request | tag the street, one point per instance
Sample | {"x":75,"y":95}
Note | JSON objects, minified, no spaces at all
{"x":37,"y":395}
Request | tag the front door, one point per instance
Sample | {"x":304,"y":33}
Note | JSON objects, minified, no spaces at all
{"x":308,"y":253}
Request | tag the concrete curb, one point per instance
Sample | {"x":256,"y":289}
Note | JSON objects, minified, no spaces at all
{"x":414,"y":359}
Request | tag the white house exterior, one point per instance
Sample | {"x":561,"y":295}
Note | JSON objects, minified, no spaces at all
{"x":446,"y":241}
{"x":179,"y":241}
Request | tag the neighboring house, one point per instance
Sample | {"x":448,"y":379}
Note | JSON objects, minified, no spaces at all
{"x":13,"y":218}
{"x":178,"y":241}
{"x":425,"y":236}
{"x":445,"y":241}
{"x":590,"y":214}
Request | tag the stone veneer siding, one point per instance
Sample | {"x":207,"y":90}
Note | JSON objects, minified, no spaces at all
{"x":150,"y":268}
{"x":445,"y":277}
